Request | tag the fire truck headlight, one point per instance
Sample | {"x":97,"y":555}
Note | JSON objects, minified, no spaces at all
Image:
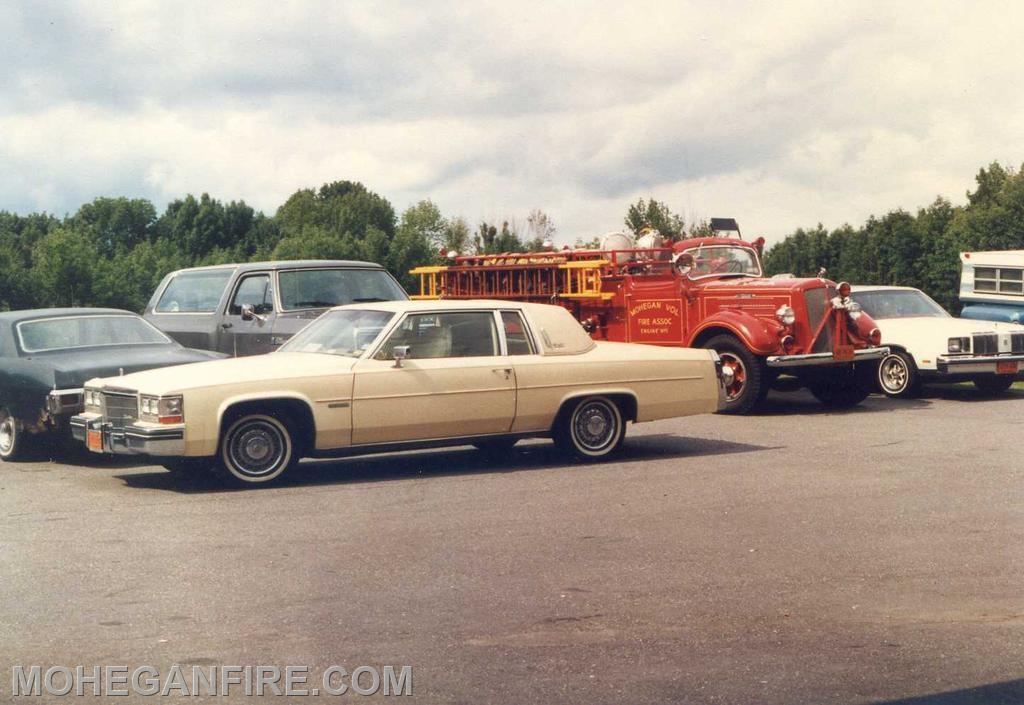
{"x":786,"y":315}
{"x":875,"y":336}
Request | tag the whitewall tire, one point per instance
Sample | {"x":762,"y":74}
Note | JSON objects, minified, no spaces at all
{"x":255,"y":449}
{"x":592,"y":429}
{"x":897,"y":375}
{"x":12,"y":437}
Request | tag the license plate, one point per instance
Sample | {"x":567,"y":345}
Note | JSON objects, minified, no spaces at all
{"x":94,"y":441}
{"x":1006,"y":368}
{"x":844,"y":353}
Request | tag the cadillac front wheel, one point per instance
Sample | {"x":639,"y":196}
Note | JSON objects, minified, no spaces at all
{"x":749,"y":384}
{"x":590,"y":429}
{"x":255,"y":449}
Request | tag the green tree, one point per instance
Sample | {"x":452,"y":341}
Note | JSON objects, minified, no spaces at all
{"x":654,"y":214}
{"x":62,"y":264}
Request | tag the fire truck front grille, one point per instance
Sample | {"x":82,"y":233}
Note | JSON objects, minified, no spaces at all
{"x":817,"y":308}
{"x":985,"y":344}
{"x":120,"y":408}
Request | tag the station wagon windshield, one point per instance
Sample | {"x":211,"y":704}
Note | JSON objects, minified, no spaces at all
{"x":86,"y":332}
{"x":723,"y":259}
{"x":345,"y":333}
{"x":323,"y":288}
{"x":898,"y":303}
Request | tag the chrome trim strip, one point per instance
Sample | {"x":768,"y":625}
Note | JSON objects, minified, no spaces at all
{"x":825,"y":358}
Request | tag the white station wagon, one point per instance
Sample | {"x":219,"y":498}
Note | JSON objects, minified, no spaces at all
{"x":395,"y":375}
{"x":926,"y":343}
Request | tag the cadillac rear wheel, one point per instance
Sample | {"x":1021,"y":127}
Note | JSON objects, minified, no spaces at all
{"x":592,"y":429}
{"x":897,"y":375}
{"x":750,"y":383}
{"x":255,"y":449}
{"x":12,"y":437}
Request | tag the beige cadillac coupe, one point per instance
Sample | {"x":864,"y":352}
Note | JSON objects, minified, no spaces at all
{"x":395,"y":375}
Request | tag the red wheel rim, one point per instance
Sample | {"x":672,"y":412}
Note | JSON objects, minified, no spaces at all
{"x":739,"y":375}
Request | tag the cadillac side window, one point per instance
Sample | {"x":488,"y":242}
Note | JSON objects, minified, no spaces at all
{"x":516,"y":337}
{"x":255,"y":291}
{"x":440,"y":335}
{"x":194,"y":292}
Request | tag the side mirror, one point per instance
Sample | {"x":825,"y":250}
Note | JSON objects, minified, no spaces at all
{"x":399,"y":353}
{"x":249,"y":314}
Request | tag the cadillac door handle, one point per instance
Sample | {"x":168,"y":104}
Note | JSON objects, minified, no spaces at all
{"x":506,"y":371}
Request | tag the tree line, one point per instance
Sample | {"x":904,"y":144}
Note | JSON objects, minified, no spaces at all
{"x":913,"y":249}
{"x":114,"y":251}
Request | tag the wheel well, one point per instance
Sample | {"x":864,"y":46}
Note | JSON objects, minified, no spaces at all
{"x":626,"y":403}
{"x":709,"y":333}
{"x":294,"y":413}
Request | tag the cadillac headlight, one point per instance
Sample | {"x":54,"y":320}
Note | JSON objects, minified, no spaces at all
{"x":161,"y":409}
{"x":786,"y":315}
{"x":959,"y":345}
{"x":92,"y":399}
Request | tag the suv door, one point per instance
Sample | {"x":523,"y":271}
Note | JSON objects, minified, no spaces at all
{"x":455,"y":381}
{"x":249,"y":335}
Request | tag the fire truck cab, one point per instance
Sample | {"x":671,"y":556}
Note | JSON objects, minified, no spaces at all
{"x":707,"y":292}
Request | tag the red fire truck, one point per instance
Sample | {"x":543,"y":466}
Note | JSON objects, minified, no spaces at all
{"x":707,"y":292}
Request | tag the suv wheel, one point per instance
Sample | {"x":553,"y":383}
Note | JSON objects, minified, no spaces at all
{"x":255,"y":449}
{"x":591,"y":429}
{"x":749,"y":375}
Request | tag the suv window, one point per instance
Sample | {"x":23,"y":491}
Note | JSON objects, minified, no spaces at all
{"x":194,"y":292}
{"x":516,"y":337}
{"x":254,"y":290}
{"x":323,"y":288}
{"x":434,"y":335}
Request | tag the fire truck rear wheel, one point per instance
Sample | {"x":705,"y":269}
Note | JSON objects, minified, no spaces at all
{"x":590,"y":428}
{"x":750,"y":376}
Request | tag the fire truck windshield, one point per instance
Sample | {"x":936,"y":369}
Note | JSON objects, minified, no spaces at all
{"x":719,"y":260}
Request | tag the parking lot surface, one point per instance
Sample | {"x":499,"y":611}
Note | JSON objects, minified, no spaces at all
{"x":796,"y":556}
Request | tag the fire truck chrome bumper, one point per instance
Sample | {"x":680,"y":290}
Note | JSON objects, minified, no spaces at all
{"x":967,"y":363}
{"x":131,"y":440}
{"x":825,"y":358}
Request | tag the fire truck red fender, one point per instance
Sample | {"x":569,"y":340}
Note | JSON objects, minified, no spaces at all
{"x":756,"y":333}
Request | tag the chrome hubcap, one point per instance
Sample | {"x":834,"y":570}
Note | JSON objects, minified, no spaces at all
{"x":595,"y":426}
{"x":6,"y":434}
{"x":257,"y":448}
{"x":893,"y":374}
{"x":734,"y":388}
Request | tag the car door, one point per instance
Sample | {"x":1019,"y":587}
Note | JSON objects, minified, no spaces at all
{"x":249,"y":335}
{"x":455,"y":382}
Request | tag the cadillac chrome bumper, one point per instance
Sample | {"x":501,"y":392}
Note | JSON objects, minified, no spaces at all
{"x":825,"y":358}
{"x":984,"y":364}
{"x":99,"y":436}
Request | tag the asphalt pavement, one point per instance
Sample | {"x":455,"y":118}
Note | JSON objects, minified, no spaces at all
{"x":793,"y":557}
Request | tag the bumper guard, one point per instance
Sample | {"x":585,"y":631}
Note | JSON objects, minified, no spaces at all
{"x":100,"y":436}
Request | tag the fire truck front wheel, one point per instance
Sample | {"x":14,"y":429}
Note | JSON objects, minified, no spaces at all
{"x":590,"y":428}
{"x":750,"y":380}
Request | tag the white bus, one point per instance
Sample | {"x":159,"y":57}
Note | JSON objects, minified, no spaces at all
{"x":992,"y":285}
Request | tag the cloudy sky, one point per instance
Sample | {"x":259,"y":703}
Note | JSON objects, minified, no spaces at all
{"x":780,"y":114}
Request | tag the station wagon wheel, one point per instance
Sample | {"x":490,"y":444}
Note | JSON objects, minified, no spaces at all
{"x":749,"y":384}
{"x":12,"y":437}
{"x":592,"y":429}
{"x":255,"y":449}
{"x":897,"y":375}
{"x":994,"y":384}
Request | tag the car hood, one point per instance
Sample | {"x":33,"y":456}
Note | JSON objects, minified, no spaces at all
{"x":902,"y":331}
{"x":72,"y":368}
{"x":232,"y":371}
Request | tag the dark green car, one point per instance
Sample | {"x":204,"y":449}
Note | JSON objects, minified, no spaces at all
{"x":47,"y":355}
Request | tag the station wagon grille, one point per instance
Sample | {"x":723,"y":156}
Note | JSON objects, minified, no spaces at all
{"x":985,"y":344}
{"x":817,"y":307}
{"x":120,"y":408}
{"x":1017,"y":343}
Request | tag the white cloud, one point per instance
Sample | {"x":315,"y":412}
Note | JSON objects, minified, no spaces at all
{"x":781,"y":114}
